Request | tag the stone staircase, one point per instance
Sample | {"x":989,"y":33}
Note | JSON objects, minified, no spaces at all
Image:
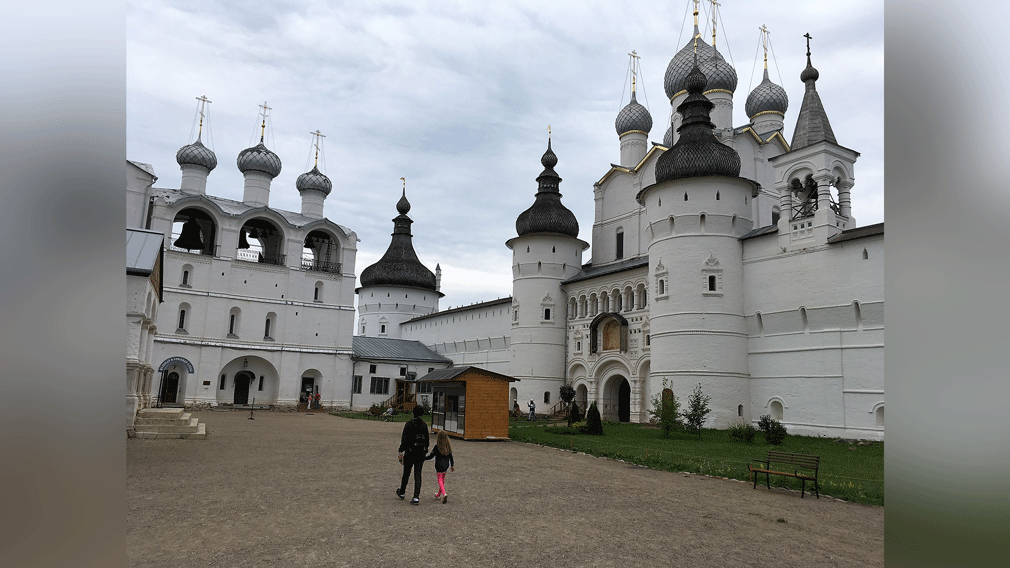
{"x":154,"y":423}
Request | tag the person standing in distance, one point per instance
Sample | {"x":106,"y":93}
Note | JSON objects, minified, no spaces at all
{"x":413,"y":448}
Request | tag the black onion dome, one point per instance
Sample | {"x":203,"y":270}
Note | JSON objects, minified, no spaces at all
{"x":697,"y":152}
{"x":668,"y":137}
{"x":809,"y":73}
{"x":260,"y":159}
{"x":548,"y":214}
{"x":633,"y":117}
{"x":314,"y":179}
{"x":681,"y":64}
{"x":766,"y":97}
{"x":399,"y":266}
{"x":720,"y":74}
{"x":196,"y":154}
{"x":403,"y":206}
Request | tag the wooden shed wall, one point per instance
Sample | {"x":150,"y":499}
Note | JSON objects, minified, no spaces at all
{"x":486,"y":408}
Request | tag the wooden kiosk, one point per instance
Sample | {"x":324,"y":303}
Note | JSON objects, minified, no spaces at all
{"x":470,"y":403}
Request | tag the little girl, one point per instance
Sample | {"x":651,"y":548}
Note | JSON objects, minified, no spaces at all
{"x":442,"y":452}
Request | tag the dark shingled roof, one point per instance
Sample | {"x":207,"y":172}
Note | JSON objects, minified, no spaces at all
{"x":590,"y":271}
{"x":400,"y":266}
{"x":812,"y":122}
{"x":697,"y":152}
{"x":857,"y":233}
{"x":547,"y":214}
{"x":382,"y":348}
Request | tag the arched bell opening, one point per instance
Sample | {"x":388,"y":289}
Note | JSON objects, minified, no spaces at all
{"x":260,"y":240}
{"x":321,"y":252}
{"x":195,"y":231}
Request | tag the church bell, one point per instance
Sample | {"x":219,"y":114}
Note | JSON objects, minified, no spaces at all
{"x":190,"y":237}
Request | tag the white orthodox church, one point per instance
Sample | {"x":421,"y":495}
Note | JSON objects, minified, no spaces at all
{"x":725,"y":256}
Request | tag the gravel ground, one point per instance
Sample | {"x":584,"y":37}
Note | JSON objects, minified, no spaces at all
{"x":296,"y":489}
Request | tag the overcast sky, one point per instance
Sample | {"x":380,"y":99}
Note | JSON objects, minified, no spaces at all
{"x":457,"y":97}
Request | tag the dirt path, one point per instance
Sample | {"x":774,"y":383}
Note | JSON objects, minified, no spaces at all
{"x":290,"y":489}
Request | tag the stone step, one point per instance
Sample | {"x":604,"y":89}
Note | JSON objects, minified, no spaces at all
{"x":199,"y":434}
{"x":188,"y":427}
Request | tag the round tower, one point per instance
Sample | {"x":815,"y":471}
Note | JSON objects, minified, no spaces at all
{"x":546,"y":252}
{"x":196,"y":160}
{"x":259,"y":166}
{"x":397,"y":287}
{"x":697,"y":210}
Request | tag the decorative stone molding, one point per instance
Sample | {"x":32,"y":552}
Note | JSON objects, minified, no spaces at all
{"x":711,"y":277}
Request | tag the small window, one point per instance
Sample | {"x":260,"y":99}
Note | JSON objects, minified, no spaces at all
{"x":382,"y":328}
{"x":647,"y":342}
{"x":547,"y":397}
{"x":866,"y":255}
{"x":717,"y":196}
{"x":315,"y":294}
{"x":578,"y":346}
{"x":231,"y":324}
{"x":711,"y":282}
{"x":430,"y":369}
{"x":185,"y":278}
{"x":261,"y":383}
{"x":371,"y":369}
{"x":356,"y":384}
{"x":403,"y":371}
{"x":266,"y":328}
{"x":620,"y":244}
{"x":739,"y":410}
{"x":547,"y":314}
{"x":775,"y":216}
{"x":221,"y":386}
{"x":182,"y":319}
{"x":776,"y":409}
{"x":662,"y":287}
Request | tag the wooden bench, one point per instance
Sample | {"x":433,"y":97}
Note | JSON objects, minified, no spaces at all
{"x":796,"y":461}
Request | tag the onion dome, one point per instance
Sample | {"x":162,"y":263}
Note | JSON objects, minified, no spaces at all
{"x":548,"y":214}
{"x":766,"y":97}
{"x":697,"y":152}
{"x":633,"y":117}
{"x":400,"y":266}
{"x":681,"y":64}
{"x":720,"y":74}
{"x":196,"y":154}
{"x":668,"y":137}
{"x":812,"y":123}
{"x":260,"y":159}
{"x":314,"y":179}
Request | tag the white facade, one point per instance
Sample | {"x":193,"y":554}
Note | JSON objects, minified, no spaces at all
{"x":747,"y":286}
{"x":260,"y":323}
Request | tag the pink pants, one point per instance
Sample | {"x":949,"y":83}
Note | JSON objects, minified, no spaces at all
{"x":441,"y":482}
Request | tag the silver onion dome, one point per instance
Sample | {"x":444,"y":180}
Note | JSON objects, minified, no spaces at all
{"x":633,"y":117}
{"x":681,"y":64}
{"x":260,"y":159}
{"x":196,"y":154}
{"x":314,"y":179}
{"x":719,"y":73}
{"x":766,"y":97}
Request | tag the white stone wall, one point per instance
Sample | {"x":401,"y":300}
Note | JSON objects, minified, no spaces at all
{"x":389,"y":307}
{"x":827,"y":369}
{"x":141,"y":311}
{"x":476,"y":335}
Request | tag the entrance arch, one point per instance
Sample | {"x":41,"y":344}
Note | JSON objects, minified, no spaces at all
{"x":242,"y":381}
{"x":617,"y":399}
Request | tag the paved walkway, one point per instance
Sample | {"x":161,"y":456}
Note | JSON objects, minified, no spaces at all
{"x":291,"y":489}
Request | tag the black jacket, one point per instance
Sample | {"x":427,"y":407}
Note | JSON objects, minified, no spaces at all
{"x":414,"y":439}
{"x":442,"y":463}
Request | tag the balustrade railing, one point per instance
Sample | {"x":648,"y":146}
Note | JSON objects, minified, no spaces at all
{"x":320,"y":265}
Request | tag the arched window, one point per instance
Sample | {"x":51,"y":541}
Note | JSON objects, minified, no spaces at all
{"x":317,"y":294}
{"x":234,"y":320}
{"x":547,"y":397}
{"x":880,"y":416}
{"x":866,"y":255}
{"x":662,"y":287}
{"x":182,"y":319}
{"x":776,"y":409}
{"x":269,"y":325}
{"x":620,"y":244}
{"x":739,"y":410}
{"x":187,"y":271}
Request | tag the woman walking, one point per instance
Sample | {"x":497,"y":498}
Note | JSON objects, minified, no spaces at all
{"x":442,"y":452}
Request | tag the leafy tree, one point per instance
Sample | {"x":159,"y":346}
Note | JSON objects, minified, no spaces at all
{"x":594,"y":424}
{"x":567,"y":396}
{"x":775,"y":432}
{"x":666,"y":410}
{"x":697,"y":411}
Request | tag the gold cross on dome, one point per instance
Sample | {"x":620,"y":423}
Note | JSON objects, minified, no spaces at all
{"x":764,"y":41}
{"x":264,"y":113}
{"x":203,"y":102}
{"x":715,"y":4}
{"x":317,"y":138}
{"x":404,"y":180}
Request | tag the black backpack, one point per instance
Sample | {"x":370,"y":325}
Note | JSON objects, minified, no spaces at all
{"x":420,"y":441}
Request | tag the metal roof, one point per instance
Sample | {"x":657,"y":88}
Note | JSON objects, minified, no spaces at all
{"x":590,"y":271}
{"x":453,"y":373}
{"x":142,"y":250}
{"x":857,"y":233}
{"x":476,"y":306}
{"x":766,"y":230}
{"x":382,"y":348}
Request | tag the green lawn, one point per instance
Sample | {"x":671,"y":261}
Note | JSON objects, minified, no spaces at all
{"x":855,"y":475}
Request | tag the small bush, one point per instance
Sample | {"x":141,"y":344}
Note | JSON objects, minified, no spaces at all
{"x":742,"y":433}
{"x":697,"y":411}
{"x":665,"y":410}
{"x":594,"y":425}
{"x":575,"y":415}
{"x":376,"y":409}
{"x":775,"y":432}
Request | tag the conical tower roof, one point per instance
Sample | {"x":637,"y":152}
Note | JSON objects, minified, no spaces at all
{"x":548,"y":214}
{"x":400,"y":265}
{"x":812,"y":124}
